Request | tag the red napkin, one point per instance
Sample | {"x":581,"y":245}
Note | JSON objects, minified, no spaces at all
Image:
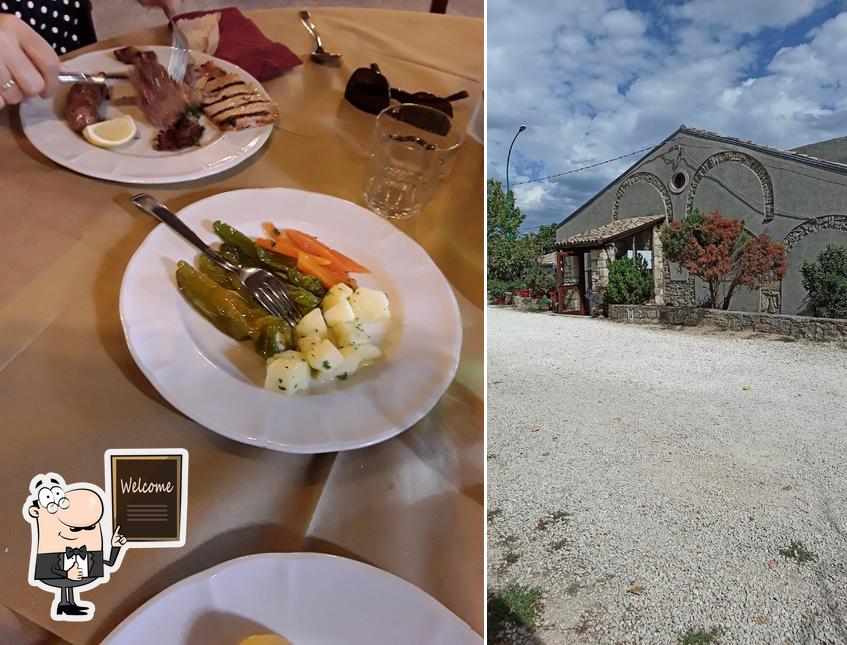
{"x":243,"y":43}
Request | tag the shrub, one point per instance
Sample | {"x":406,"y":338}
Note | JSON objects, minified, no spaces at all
{"x":719,"y":251}
{"x":825,"y":280}
{"x":538,"y":281}
{"x":630,"y":281}
{"x":496,"y":289}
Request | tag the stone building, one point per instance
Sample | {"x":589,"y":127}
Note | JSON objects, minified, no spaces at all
{"x":798,"y":197}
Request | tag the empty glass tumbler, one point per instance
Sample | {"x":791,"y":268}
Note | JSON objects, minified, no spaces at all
{"x":412,"y":149}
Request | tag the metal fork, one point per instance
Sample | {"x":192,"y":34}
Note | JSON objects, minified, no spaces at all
{"x":178,"y":61}
{"x":264,"y":286}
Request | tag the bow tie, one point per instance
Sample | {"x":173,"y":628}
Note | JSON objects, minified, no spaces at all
{"x":81,"y":551}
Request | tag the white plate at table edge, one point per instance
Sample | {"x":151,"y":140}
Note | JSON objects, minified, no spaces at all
{"x":56,"y":141}
{"x":363,"y":379}
{"x":371,"y":572}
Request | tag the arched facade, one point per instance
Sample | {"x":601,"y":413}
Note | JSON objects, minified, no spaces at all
{"x":734,"y":156}
{"x":649,"y":178}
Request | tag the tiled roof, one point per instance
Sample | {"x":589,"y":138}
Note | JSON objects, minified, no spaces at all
{"x":602,"y":235}
{"x":548,"y":259}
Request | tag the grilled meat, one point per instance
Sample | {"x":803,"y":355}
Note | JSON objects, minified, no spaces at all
{"x":83,"y":105}
{"x":162,"y":99}
{"x":128,"y":55}
{"x":183,"y":134}
{"x":232,"y":104}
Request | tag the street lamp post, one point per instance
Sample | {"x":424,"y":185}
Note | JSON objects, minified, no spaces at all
{"x":509,"y":155}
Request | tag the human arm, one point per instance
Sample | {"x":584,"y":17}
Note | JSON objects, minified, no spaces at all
{"x":28,"y":65}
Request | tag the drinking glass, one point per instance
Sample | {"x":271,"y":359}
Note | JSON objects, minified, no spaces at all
{"x":412,"y":149}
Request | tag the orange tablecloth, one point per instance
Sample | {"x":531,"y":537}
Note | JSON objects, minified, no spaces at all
{"x":69,"y":389}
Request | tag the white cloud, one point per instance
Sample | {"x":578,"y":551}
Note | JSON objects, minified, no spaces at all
{"x":594,"y":80}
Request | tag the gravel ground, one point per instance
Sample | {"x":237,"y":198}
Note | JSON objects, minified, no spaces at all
{"x":645,"y":479}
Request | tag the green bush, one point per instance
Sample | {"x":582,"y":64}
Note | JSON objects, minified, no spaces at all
{"x":825,"y":280}
{"x":496,"y":289}
{"x":630,"y":282}
{"x":538,"y":281}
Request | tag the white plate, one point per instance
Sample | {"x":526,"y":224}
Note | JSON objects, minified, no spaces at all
{"x":137,"y":162}
{"x":308,"y":598}
{"x":218,"y":382}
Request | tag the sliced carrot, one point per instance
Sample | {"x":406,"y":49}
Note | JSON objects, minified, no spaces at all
{"x":270,"y":230}
{"x":283,"y":249}
{"x":284,"y":242}
{"x":309,"y":264}
{"x":311,"y":245}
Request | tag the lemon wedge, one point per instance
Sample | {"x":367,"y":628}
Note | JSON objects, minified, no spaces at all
{"x":111,"y":133}
{"x":265,"y":639}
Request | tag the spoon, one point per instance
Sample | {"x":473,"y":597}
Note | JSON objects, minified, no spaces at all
{"x":320,"y":55}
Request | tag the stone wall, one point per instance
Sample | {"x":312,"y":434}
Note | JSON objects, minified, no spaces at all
{"x":794,"y":326}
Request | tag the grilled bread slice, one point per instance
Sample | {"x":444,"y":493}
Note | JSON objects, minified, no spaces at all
{"x":232,"y":104}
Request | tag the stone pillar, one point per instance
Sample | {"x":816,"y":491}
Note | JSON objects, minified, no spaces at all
{"x":658,"y":268}
{"x":770,"y":296}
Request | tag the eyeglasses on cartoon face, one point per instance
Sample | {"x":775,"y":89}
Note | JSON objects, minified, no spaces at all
{"x":52,"y":499}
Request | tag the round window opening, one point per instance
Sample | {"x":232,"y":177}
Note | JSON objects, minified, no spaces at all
{"x":679,"y":180}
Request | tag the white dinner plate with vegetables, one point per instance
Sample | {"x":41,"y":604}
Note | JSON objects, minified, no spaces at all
{"x":293,"y":599}
{"x":377,"y":347}
{"x":46,"y":125}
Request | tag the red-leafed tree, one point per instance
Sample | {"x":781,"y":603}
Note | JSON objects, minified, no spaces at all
{"x":720,"y":252}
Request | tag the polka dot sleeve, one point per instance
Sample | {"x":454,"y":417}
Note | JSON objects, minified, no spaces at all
{"x":65,"y":24}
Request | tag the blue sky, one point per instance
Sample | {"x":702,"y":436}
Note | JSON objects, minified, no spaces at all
{"x":595,"y":79}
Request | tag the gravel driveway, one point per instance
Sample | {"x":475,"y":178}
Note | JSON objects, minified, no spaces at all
{"x":644,"y":481}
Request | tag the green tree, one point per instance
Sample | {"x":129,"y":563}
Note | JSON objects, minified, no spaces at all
{"x":509,"y":253}
{"x":825,"y":280}
{"x":630,"y":281}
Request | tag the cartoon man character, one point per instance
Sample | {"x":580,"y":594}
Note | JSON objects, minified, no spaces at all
{"x":67,"y":542}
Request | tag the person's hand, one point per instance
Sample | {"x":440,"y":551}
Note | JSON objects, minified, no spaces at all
{"x":28,"y":65}
{"x":75,"y":572}
{"x":118,"y":539}
{"x":170,"y":7}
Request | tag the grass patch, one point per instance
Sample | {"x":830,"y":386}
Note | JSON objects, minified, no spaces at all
{"x":515,"y":604}
{"x":560,"y":516}
{"x":700,"y":636}
{"x":787,"y":339}
{"x":512,"y":557}
{"x":494,"y":512}
{"x":558,"y":545}
{"x":542,"y":525}
{"x":796,"y":551}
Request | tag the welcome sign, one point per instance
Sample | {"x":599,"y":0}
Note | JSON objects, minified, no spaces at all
{"x":148,"y":494}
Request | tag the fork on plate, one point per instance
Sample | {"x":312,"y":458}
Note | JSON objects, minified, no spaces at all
{"x":264,"y":286}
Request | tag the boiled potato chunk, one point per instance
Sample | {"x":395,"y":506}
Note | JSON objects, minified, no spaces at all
{"x":339,"y":313}
{"x":324,"y":357}
{"x":289,"y":374}
{"x":289,"y":353}
{"x":336,"y":294}
{"x":306,"y":344}
{"x":366,"y":352}
{"x":369,"y":304}
{"x":349,"y":333}
{"x":376,"y":331}
{"x":312,"y":324}
{"x":351,"y":362}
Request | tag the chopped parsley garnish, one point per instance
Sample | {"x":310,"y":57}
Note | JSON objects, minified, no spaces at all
{"x":326,"y":365}
{"x":342,"y":377}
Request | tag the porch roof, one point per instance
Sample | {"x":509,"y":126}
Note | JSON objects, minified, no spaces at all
{"x":602,"y":235}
